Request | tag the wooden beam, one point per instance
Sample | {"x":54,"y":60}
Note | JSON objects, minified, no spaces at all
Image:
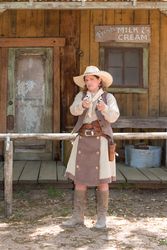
{"x":139,"y":136}
{"x":135,"y":122}
{"x":3,"y":91}
{"x":8,"y":177}
{"x":38,"y":136}
{"x":84,"y":5}
{"x":70,"y":136}
{"x":32,"y":42}
{"x":56,"y":100}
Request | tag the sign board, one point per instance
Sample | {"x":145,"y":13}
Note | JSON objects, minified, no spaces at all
{"x":123,"y":33}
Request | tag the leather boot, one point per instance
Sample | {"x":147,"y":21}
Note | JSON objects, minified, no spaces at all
{"x":102,"y":207}
{"x":78,"y":211}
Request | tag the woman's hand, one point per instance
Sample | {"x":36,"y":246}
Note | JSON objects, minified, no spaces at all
{"x":101,"y":106}
{"x":86,"y":104}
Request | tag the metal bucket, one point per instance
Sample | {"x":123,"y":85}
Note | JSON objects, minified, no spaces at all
{"x":128,"y":153}
{"x":143,"y":158}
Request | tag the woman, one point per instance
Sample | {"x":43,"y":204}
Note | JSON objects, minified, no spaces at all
{"x":89,"y":163}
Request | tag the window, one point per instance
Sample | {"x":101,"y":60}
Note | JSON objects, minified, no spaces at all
{"x":128,"y":66}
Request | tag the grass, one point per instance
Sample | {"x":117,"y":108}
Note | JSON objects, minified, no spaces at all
{"x":21,"y":193}
{"x":163,"y":242}
{"x":64,"y":211}
{"x":55,"y":193}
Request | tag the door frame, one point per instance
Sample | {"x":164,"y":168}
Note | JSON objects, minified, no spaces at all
{"x":56,"y":44}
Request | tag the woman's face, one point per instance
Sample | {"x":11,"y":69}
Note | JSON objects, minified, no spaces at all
{"x":92,"y":83}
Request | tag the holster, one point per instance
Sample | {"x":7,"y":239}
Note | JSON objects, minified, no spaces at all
{"x":111,"y":150}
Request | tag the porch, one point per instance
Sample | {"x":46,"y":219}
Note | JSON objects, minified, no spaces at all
{"x":52,"y":172}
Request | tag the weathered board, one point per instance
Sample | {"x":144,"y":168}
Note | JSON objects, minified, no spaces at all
{"x":160,"y":173}
{"x":18,"y":167}
{"x":61,"y":171}
{"x":132,"y":174}
{"x":77,"y":5}
{"x":163,"y":62}
{"x":1,"y":171}
{"x":53,"y":172}
{"x":48,"y":172}
{"x":119,"y":177}
{"x":3,"y":92}
{"x":30,"y":172}
{"x":154,"y":62}
{"x":123,"y":33}
{"x":150,"y":175}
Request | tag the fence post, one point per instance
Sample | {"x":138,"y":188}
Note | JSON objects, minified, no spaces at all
{"x":8,"y":176}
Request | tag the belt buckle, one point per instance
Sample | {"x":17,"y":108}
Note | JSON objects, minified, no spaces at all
{"x":89,"y":132}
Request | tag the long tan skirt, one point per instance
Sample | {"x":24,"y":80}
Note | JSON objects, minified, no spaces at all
{"x":88,"y":163}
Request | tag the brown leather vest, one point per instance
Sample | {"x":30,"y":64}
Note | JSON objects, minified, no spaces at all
{"x":105,"y":125}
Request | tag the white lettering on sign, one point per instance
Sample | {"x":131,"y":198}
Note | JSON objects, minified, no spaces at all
{"x":123,"y":33}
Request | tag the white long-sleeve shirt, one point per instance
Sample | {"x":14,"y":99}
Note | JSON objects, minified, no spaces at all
{"x":110,"y":113}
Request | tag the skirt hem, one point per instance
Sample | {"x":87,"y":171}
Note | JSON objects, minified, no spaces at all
{"x":106,"y":180}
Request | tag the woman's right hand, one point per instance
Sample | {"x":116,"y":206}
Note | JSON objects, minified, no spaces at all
{"x":86,"y":104}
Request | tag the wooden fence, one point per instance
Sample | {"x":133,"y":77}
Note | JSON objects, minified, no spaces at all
{"x":8,"y":154}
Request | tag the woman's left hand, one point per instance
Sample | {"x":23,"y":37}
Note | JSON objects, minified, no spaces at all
{"x":101,"y":106}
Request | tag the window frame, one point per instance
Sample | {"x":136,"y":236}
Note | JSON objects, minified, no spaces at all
{"x":121,"y":89}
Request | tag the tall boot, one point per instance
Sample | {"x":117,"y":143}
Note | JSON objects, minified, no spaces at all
{"x":78,"y":211}
{"x":102,"y":207}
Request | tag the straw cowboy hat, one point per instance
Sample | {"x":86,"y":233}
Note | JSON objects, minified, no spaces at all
{"x":93,"y":70}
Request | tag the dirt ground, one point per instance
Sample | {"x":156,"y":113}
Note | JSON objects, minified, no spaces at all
{"x":137,"y":219}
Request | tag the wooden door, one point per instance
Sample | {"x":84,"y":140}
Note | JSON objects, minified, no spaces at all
{"x":29,"y":107}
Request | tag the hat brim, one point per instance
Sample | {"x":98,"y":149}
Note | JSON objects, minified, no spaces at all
{"x":105,"y":76}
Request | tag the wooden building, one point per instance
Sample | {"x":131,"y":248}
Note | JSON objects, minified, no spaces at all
{"x":44,"y":44}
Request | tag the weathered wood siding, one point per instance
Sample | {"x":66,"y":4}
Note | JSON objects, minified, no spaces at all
{"x":82,"y":50}
{"x":152,"y":103}
{"x":41,"y":23}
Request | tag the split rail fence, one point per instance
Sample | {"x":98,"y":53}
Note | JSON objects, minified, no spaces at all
{"x":8,"y":138}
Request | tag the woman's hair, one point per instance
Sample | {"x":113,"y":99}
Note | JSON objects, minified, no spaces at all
{"x":85,"y":89}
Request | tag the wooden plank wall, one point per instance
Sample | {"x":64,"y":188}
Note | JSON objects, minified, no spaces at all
{"x":152,"y":103}
{"x":163,"y":66}
{"x":69,"y":28}
{"x":45,"y":23}
{"x":82,"y":50}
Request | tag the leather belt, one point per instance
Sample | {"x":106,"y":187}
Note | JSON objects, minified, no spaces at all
{"x":90,"y":132}
{"x":91,"y":129}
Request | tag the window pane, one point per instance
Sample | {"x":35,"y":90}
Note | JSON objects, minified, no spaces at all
{"x":131,"y":58}
{"x":115,"y":58}
{"x":132,"y":76}
{"x":117,"y":76}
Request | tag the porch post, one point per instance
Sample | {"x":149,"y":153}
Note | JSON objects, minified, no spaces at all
{"x":8,"y":176}
{"x":166,"y":151}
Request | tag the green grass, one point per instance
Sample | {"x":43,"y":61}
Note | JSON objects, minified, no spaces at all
{"x":21,"y":194}
{"x":64,"y":211}
{"x":55,"y":193}
{"x":163,"y":242}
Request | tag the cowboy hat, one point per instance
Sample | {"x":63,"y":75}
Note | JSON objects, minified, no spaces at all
{"x":93,"y":70}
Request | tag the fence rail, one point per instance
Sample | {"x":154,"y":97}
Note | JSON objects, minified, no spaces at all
{"x":8,"y":153}
{"x":70,"y":136}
